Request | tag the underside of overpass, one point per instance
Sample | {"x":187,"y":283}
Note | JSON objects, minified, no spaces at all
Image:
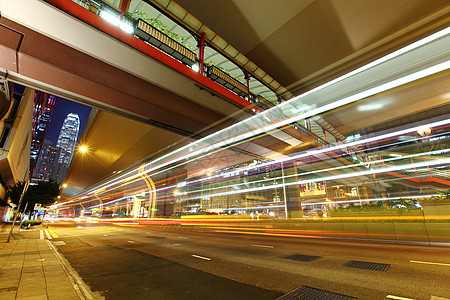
{"x":147,"y":104}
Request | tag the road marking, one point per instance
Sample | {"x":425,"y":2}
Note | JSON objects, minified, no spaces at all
{"x":105,"y":235}
{"x":201,"y":257}
{"x":131,"y":242}
{"x":148,"y":232}
{"x":48,"y":234}
{"x":181,"y":237}
{"x":59,"y":243}
{"x":262,"y":246}
{"x":54,"y":235}
{"x":41,"y":234}
{"x":438,"y":298}
{"x":177,"y":244}
{"x":79,"y":286}
{"x":397,"y":297}
{"x":429,"y":263}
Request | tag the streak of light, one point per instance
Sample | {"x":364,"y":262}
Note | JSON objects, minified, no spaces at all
{"x":201,"y":257}
{"x":337,"y":147}
{"x":306,"y":173}
{"x":429,"y":263}
{"x":333,"y":177}
{"x":372,"y":199}
{"x":319,"y":171}
{"x":397,"y":297}
{"x":262,"y":246}
{"x":308,"y":153}
{"x":373,"y":91}
{"x":188,"y":151}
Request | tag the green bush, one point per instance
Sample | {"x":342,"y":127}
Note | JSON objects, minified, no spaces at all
{"x":31,"y":223}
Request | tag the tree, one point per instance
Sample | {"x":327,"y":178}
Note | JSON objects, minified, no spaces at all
{"x":43,"y":192}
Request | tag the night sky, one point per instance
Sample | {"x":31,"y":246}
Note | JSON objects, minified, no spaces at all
{"x":60,"y":111}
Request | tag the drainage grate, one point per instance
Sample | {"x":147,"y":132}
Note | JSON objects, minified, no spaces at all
{"x":367,"y":265}
{"x":309,"y":293}
{"x":301,"y":257}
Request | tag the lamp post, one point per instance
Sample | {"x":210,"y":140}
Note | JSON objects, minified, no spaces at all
{"x":25,"y":188}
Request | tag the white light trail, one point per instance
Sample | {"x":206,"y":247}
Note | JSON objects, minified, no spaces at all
{"x":333,"y":177}
{"x":186,"y":152}
{"x":372,"y":199}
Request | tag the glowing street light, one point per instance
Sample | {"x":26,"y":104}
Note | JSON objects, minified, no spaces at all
{"x":83,"y":149}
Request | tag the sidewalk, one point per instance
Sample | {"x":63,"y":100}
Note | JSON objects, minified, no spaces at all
{"x":31,"y":268}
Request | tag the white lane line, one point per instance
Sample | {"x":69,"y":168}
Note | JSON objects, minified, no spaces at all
{"x":181,"y":237}
{"x":131,"y":242}
{"x":41,"y":234}
{"x":49,"y":236}
{"x":59,"y":243}
{"x":397,"y":297}
{"x":105,"y":235}
{"x":429,"y":263}
{"x":201,"y":257}
{"x":148,"y":232}
{"x":262,"y":246}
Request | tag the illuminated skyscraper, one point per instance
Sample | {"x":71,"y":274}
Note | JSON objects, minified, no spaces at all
{"x":47,"y":162}
{"x":67,"y":139}
{"x":43,"y":107}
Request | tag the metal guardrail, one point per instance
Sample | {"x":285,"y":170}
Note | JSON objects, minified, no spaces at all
{"x":163,"y":42}
{"x":89,"y":5}
{"x":227,"y":81}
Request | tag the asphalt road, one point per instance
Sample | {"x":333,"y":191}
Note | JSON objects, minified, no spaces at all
{"x":143,"y":262}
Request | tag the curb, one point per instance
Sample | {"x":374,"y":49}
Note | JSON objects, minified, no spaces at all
{"x":81,"y":288}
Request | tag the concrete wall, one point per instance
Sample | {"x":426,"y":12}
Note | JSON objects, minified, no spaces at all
{"x":15,"y":156}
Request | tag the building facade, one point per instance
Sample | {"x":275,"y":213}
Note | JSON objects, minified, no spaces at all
{"x":67,"y":139}
{"x":47,"y":162}
{"x":42,"y":112}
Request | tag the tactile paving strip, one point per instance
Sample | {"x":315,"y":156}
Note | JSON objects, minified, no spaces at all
{"x":301,"y":257}
{"x":309,"y":293}
{"x":367,"y":265}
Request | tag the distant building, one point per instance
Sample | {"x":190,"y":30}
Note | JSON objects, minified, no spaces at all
{"x":47,"y":163}
{"x":67,"y":141}
{"x":42,"y":111}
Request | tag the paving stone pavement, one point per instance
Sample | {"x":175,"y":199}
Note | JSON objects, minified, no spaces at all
{"x":30,"y":269}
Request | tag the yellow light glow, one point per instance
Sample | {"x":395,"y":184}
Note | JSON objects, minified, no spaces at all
{"x":64,"y":185}
{"x":83,"y":148}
